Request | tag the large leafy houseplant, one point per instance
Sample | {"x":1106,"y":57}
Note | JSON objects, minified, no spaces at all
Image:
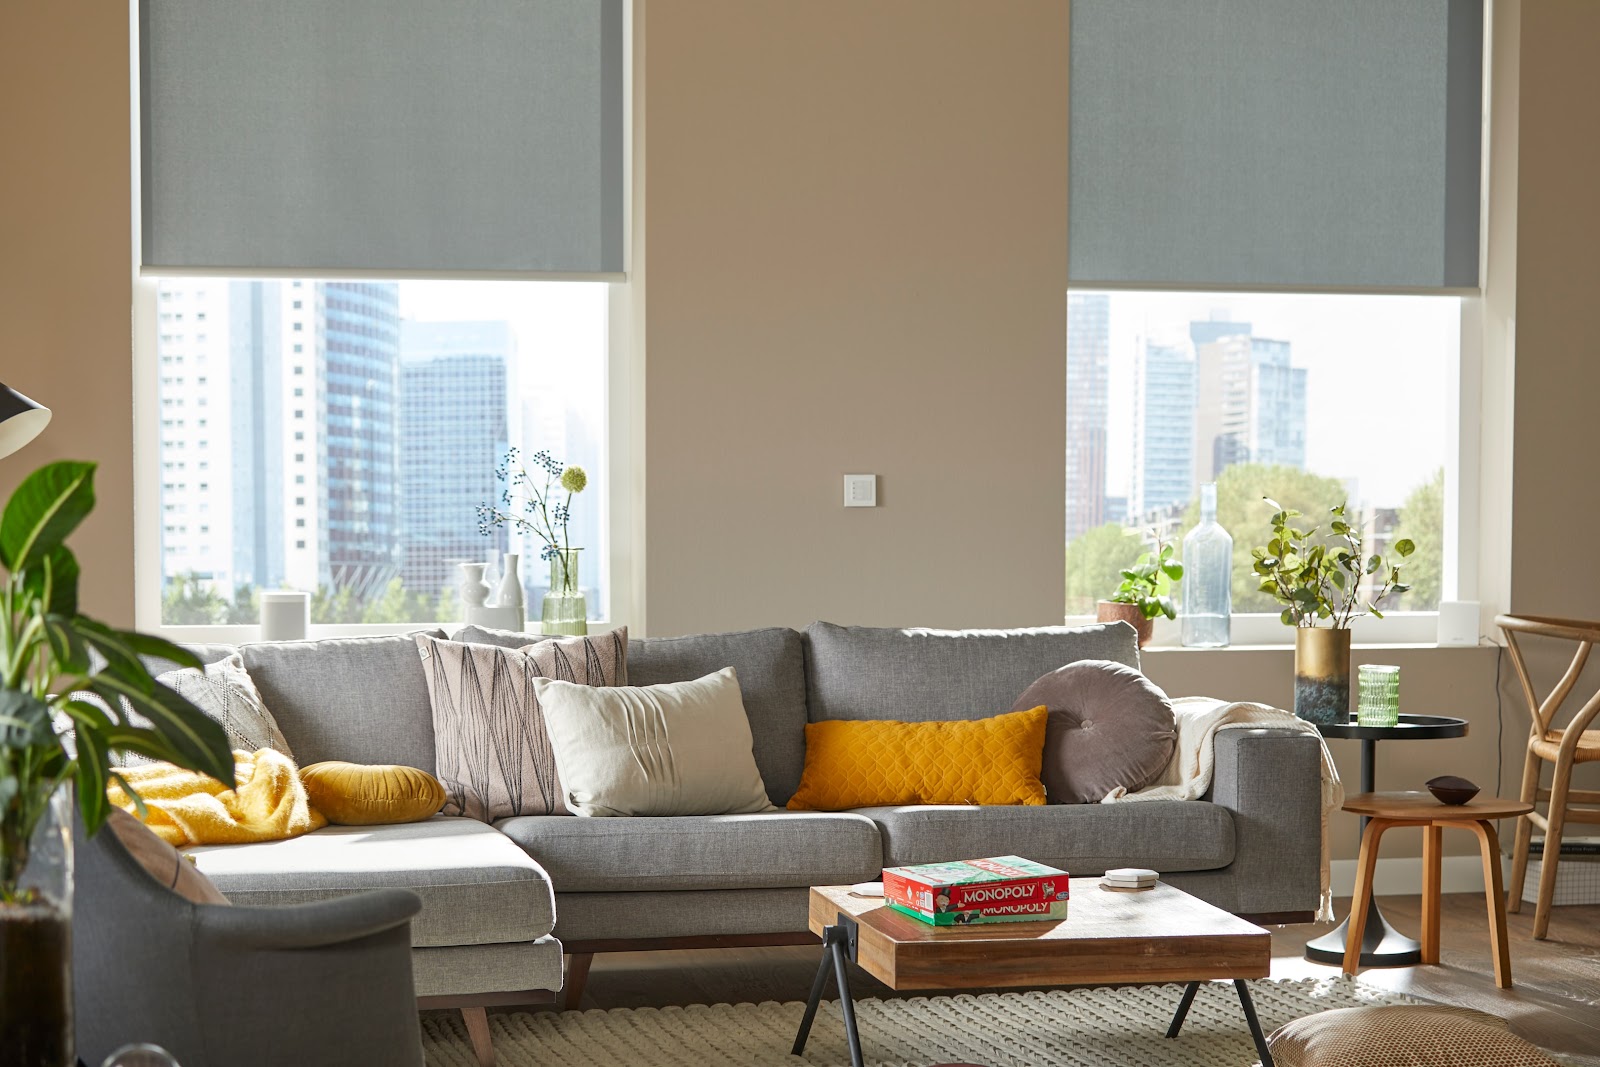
{"x":68,"y":689}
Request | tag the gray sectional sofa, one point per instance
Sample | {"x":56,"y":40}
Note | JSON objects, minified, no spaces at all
{"x":500,"y":904}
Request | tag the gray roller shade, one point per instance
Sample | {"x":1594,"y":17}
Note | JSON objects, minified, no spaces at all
{"x":382,"y":135}
{"x":1315,"y":143}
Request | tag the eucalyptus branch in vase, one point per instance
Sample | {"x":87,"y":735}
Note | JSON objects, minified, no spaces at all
{"x":1320,"y":578}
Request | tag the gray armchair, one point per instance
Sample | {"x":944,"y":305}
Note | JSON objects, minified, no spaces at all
{"x":313,"y":984}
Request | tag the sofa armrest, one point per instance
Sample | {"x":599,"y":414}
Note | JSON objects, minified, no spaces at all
{"x":316,"y":924}
{"x":1271,"y":780}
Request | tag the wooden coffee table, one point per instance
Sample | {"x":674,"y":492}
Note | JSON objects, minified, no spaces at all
{"x":1108,"y":938}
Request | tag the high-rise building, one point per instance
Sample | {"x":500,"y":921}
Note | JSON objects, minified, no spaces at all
{"x":455,"y":385}
{"x":1163,"y":428}
{"x":195,"y":397}
{"x":1252,"y":404}
{"x":359,"y":335}
{"x":1088,"y":402}
{"x":262,"y":390}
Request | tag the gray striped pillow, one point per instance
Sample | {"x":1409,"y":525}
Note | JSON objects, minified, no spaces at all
{"x":491,"y":750}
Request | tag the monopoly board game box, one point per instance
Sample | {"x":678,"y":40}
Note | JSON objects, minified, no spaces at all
{"x":999,"y":889}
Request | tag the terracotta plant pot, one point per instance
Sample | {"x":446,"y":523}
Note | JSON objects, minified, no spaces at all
{"x":1111,"y":611}
{"x":1322,"y":674}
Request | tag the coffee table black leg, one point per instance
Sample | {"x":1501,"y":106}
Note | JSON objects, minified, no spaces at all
{"x":838,"y":949}
{"x":1249,"y":1016}
{"x":824,"y":969}
{"x":1183,"y":1008}
{"x":846,"y":1006}
{"x":1255,"y":1024}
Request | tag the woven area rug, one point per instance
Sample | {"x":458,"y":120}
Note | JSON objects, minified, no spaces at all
{"x":1091,"y":1027}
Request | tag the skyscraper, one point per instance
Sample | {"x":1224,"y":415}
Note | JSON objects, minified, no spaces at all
{"x":1088,"y":395}
{"x":196,"y":413}
{"x":455,"y":387}
{"x":360,"y":380}
{"x":1252,"y":404}
{"x":1163,"y":428}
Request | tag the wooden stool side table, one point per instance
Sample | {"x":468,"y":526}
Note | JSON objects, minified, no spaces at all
{"x":1385,"y":810}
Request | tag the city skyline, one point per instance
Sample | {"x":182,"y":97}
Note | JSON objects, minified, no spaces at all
{"x":336,"y":436}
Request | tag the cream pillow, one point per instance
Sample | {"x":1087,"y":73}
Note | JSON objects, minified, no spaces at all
{"x":681,"y":748}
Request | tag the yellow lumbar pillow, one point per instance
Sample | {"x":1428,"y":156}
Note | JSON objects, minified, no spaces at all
{"x":853,"y":764}
{"x":356,"y":794}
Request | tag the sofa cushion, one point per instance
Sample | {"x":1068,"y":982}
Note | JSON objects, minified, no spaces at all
{"x":863,"y":672}
{"x":678,"y":748}
{"x":772,"y":683}
{"x":853,"y":764}
{"x":762,"y":851}
{"x":477,"y":887}
{"x":491,"y":748}
{"x":1110,"y":728}
{"x":359,"y":699}
{"x":1081,"y":839}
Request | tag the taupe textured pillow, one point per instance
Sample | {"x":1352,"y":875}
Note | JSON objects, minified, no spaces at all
{"x":1109,"y":726}
{"x":492,"y":753}
{"x":225,"y":692}
{"x":166,"y":864}
{"x":1421,"y":1035}
{"x":679,"y":748}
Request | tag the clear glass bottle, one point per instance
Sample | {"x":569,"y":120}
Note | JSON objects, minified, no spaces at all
{"x":1207,"y":577}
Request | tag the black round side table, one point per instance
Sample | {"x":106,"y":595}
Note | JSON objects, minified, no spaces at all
{"x":1381,"y":944}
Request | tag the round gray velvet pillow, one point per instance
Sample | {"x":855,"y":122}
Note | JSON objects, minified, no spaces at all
{"x":1109,"y":726}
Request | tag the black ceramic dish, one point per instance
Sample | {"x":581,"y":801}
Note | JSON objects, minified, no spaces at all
{"x":1451,"y":789}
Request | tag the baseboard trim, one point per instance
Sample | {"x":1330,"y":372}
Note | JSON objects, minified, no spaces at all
{"x":1402,"y":875}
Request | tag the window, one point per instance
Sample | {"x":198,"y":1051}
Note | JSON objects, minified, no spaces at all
{"x":1309,"y":400}
{"x":415,"y":392}
{"x":386,"y":406}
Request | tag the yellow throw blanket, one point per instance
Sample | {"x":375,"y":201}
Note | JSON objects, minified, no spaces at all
{"x":190,"y":808}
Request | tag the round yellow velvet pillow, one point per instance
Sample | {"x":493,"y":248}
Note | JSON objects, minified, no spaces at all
{"x":356,"y":794}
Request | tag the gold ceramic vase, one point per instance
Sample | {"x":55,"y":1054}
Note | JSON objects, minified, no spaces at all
{"x":1322,"y":674}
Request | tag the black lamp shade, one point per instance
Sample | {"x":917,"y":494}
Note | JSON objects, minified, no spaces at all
{"x":21,"y":420}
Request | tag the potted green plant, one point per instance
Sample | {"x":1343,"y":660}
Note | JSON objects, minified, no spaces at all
{"x":67,"y":686}
{"x":1145,"y":592}
{"x":1319,"y":579}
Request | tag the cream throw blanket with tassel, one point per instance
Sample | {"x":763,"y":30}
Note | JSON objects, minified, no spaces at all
{"x":1188,"y":774}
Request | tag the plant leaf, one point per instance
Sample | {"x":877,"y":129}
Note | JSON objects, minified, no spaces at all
{"x":54,"y":581}
{"x":153,"y":647}
{"x":46,"y":507}
{"x":65,"y":645}
{"x":1405,"y":546}
{"x":93,"y":759}
{"x":121,"y":659}
{"x":197,"y":740}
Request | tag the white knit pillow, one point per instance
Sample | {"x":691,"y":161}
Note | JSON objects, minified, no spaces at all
{"x":224,"y":691}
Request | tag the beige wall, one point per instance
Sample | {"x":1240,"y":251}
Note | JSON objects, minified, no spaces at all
{"x":856,"y":223}
{"x":1556,"y":455}
{"x":857,"y":233}
{"x":65,"y":236}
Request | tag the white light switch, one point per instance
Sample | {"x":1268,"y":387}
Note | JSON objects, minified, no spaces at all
{"x":860,"y":490}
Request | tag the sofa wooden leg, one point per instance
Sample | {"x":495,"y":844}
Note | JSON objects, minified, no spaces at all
{"x":477,"y":1020}
{"x":577,"y":977}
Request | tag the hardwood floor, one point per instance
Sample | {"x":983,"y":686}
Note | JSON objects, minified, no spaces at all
{"x":1555,"y":1002}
